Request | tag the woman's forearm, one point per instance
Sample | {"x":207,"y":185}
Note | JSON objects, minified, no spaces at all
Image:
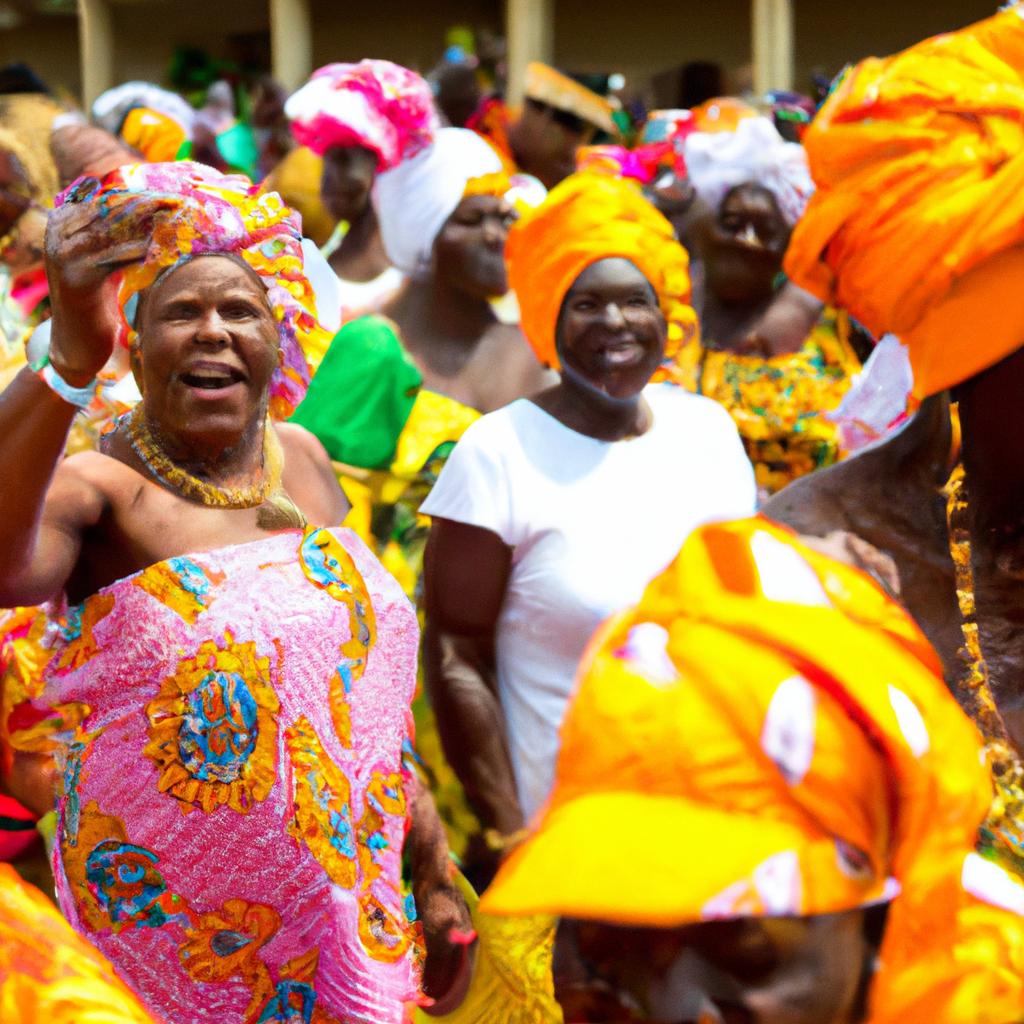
{"x":34,"y":424}
{"x":471,"y":725}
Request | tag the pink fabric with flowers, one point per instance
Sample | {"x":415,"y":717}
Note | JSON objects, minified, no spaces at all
{"x":381,"y":106}
{"x":231,"y":831}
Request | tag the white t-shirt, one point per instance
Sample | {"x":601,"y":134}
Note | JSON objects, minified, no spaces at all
{"x":590,"y":523}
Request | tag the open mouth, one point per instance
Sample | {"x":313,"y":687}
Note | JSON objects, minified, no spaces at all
{"x":211,"y":378}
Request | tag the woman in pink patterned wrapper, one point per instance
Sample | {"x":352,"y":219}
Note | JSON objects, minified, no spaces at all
{"x":232,"y":671}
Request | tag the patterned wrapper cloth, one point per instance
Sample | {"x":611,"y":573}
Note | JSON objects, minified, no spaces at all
{"x":230,"y":833}
{"x":768,"y":734}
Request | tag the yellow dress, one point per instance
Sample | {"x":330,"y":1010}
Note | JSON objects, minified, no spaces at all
{"x":780,"y":404}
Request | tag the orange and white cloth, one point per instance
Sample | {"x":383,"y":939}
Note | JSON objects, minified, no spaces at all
{"x":917,"y":225}
{"x":767,"y":734}
{"x":586,"y":218}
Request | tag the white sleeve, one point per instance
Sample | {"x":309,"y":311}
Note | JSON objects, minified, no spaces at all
{"x":732,"y":475}
{"x":473,"y":487}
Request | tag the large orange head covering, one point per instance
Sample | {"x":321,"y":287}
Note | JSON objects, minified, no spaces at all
{"x":918,"y":222}
{"x":768,"y":734}
{"x":587,"y":218}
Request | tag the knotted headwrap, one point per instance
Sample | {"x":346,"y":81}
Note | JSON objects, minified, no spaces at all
{"x":414,"y":199}
{"x":753,"y":151}
{"x":381,"y":106}
{"x":918,"y":222}
{"x":768,"y":734}
{"x":587,"y":218}
{"x":158,"y":123}
{"x":205,"y":212}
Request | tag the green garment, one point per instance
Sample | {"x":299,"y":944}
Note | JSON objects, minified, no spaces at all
{"x":361,"y":394}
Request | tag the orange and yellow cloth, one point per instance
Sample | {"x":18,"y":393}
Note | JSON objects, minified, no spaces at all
{"x":767,"y":734}
{"x":780,"y":403}
{"x":586,"y":218}
{"x":917,"y":224}
{"x":50,"y":975}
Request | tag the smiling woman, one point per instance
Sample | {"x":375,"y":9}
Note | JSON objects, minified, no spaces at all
{"x":551,"y":510}
{"x":207,"y":620}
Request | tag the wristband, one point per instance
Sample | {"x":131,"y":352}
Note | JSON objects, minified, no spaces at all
{"x":80,"y":397}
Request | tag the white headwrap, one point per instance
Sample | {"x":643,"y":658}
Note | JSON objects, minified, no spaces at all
{"x":414,"y":199}
{"x":754,"y":152}
{"x":111,"y":107}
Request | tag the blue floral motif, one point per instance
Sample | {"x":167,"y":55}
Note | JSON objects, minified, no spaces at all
{"x":219,"y":728}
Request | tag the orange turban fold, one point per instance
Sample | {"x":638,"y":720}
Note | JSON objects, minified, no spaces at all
{"x":918,"y":221}
{"x":587,"y":218}
{"x":768,"y":734}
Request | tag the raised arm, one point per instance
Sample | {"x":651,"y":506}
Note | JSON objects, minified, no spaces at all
{"x":48,"y":504}
{"x":466,"y":573}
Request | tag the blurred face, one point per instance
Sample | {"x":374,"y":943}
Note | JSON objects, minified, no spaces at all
{"x":347,"y":179}
{"x":611,"y":331}
{"x":208,"y":346}
{"x":744,"y":245}
{"x":469,"y":251}
{"x":548,"y":139}
{"x":746,"y":971}
{"x":22,"y":223}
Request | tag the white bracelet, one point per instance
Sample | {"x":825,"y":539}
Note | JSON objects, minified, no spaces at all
{"x":80,"y":397}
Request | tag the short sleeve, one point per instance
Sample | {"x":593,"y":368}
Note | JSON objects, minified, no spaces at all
{"x":732,"y":474}
{"x":474,"y":486}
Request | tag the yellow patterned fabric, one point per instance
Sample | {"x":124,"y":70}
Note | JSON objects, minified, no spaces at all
{"x":780,"y":404}
{"x":781,"y":706}
{"x":512,"y":981}
{"x":48,"y":975}
{"x":916,"y":226}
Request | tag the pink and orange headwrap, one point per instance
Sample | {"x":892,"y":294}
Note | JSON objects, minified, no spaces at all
{"x":768,"y":734}
{"x":381,"y":106}
{"x":204,"y":212}
{"x":917,"y":226}
{"x":587,"y":218}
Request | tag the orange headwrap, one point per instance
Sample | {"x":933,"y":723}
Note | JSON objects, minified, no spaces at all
{"x":768,"y":734}
{"x":586,"y":218}
{"x":918,"y":222}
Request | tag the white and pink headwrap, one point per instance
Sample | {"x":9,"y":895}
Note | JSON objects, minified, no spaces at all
{"x":754,"y":152}
{"x":381,"y":106}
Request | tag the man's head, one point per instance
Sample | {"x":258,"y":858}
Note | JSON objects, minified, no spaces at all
{"x":205,"y":351}
{"x":347,"y":179}
{"x":735,"y":791}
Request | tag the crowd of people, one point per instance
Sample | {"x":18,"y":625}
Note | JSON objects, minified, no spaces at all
{"x":514,"y":566}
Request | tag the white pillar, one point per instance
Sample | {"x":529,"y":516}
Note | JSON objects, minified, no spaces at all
{"x":95,"y":48}
{"x":530,"y":30}
{"x":291,"y":41}
{"x":772,"y":39}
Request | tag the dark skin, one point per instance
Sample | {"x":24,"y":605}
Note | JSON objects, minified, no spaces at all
{"x":77,"y":524}
{"x":891,"y":497}
{"x":742,"y":246}
{"x":345,"y":187}
{"x":793,"y":970}
{"x":612,"y":338}
{"x":544,"y":142}
{"x":447,"y":323}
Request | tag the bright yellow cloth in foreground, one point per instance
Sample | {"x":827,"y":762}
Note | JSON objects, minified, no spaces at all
{"x":918,"y":220}
{"x":768,"y":734}
{"x":48,"y":974}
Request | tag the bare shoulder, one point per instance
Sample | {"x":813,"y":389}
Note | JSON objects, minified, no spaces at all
{"x":309,"y":476}
{"x":511,"y":366}
{"x":84,"y":486}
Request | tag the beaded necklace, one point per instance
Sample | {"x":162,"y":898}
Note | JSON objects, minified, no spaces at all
{"x":281,"y":511}
{"x":1002,"y":833}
